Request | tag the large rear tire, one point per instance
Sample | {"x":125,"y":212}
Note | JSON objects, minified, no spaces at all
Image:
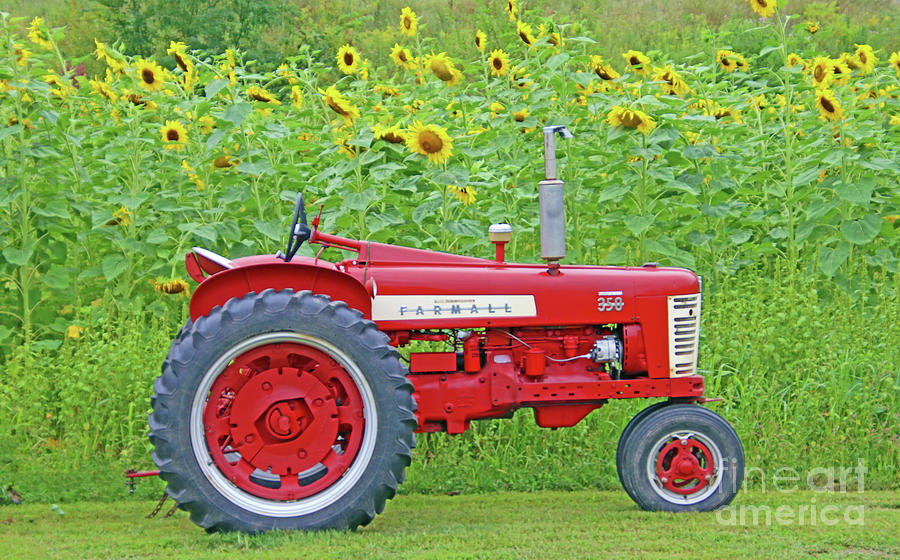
{"x":282,"y":410}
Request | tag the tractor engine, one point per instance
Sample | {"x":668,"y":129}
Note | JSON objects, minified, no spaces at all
{"x":563,"y":373}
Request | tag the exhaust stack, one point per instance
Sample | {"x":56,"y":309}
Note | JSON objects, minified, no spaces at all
{"x":553,"y":203}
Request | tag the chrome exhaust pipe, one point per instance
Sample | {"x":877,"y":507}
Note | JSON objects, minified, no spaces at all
{"x":553,"y":203}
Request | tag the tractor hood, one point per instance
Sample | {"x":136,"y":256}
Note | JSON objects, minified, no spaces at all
{"x":429,"y":289}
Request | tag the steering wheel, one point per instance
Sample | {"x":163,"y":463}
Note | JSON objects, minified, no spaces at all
{"x":299,"y":231}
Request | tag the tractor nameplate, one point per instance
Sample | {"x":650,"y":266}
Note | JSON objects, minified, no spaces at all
{"x":610,"y":301}
{"x":389,"y":308}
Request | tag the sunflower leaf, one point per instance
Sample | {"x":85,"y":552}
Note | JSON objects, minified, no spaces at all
{"x":861,"y":231}
{"x":859,"y":192}
{"x":236,"y":113}
{"x":832,"y":259}
{"x":214,"y":87}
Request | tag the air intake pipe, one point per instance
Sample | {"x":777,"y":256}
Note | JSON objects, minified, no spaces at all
{"x":553,"y":203}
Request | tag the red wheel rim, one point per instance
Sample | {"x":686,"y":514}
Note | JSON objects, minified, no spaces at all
{"x":283,"y":421}
{"x":685,"y":466}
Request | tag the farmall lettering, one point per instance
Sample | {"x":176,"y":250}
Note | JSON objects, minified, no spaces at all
{"x":292,"y":396}
{"x":411,"y":307}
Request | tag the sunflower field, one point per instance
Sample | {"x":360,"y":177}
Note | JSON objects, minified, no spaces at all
{"x":773,"y":173}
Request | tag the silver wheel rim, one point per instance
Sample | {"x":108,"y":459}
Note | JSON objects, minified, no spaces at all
{"x":679,"y":499}
{"x":276,"y":508}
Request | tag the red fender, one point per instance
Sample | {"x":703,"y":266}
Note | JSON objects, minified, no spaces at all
{"x":255,"y":274}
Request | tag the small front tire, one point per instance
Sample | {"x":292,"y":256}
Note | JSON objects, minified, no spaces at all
{"x":682,"y":458}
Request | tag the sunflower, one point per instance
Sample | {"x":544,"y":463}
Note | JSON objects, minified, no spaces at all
{"x":795,"y":59}
{"x":429,"y":140}
{"x":499,"y":63}
{"x":894,"y":60}
{"x":104,"y":89}
{"x":175,"y":286}
{"x":296,"y":97}
{"x":865,"y":58}
{"x":480,"y":40}
{"x":207,"y":124}
{"x":524,"y":32}
{"x":59,"y":87}
{"x":631,"y":118}
{"x":511,"y":10}
{"x":764,"y":8}
{"x":812,"y":26}
{"x":603,"y":69}
{"x":822,"y":71}
{"x":22,"y":54}
{"x":520,"y":116}
{"x":347,"y":59}
{"x":894,"y":121}
{"x":442,"y":67}
{"x":496,"y":109}
{"x":390,"y":134}
{"x":466,"y":194}
{"x":670,"y":81}
{"x":224,"y":162}
{"x":38,"y":34}
{"x":174,"y":135}
{"x":150,"y":75}
{"x":402,"y":57}
{"x":712,"y":109}
{"x":637,"y":62}
{"x":179,"y":51}
{"x":840,"y":72}
{"x":333,"y":98}
{"x":386,"y":91}
{"x":409,"y":23}
{"x":731,"y":61}
{"x":519,"y":77}
{"x":259,"y":94}
{"x":829,"y":106}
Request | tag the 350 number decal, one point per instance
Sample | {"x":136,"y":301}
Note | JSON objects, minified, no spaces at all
{"x":610,"y":301}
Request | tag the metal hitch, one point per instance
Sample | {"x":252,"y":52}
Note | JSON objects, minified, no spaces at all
{"x":553,"y":203}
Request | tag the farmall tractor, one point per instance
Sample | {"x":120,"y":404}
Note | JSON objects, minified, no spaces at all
{"x":285,"y":404}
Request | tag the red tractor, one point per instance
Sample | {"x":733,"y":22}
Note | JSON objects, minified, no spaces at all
{"x":285,"y":404}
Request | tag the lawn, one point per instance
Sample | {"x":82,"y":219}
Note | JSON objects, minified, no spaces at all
{"x":503,"y":525}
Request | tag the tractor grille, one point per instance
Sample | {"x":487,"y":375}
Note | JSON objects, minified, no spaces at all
{"x":684,"y":334}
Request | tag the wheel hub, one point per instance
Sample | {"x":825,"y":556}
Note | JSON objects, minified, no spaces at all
{"x":684,"y":466}
{"x":283,"y":421}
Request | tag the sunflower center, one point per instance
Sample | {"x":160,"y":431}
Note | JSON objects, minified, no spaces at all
{"x":826,"y":104}
{"x":441,"y":70}
{"x":402,"y":56}
{"x":819,"y":73}
{"x":478,"y":42}
{"x":348,"y":59}
{"x":335,"y":106}
{"x":172,"y":135}
{"x":525,"y":38}
{"x":862,"y":56}
{"x":180,"y":62}
{"x":430,"y":142}
{"x":631,"y":119}
{"x":634,"y":61}
{"x":407,"y":23}
{"x":148,"y":76}
{"x":498,"y":64}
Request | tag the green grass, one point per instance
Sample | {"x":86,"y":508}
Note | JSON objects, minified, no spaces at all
{"x":502,"y":525}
